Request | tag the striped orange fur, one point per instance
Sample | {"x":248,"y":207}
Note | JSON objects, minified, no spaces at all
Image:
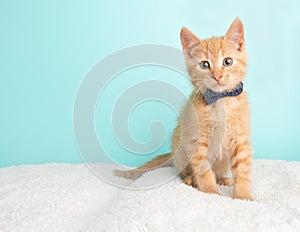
{"x":200,"y":126}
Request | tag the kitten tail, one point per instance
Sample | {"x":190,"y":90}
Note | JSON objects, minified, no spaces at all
{"x":164,"y":160}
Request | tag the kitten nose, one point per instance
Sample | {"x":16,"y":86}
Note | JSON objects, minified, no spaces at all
{"x":217,"y":77}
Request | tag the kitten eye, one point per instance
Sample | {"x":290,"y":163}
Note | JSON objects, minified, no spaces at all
{"x":227,"y":62}
{"x":204,"y":65}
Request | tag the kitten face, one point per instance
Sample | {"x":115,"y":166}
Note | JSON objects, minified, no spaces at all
{"x":217,"y":63}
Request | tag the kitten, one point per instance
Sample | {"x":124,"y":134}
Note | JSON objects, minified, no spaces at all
{"x":211,"y":140}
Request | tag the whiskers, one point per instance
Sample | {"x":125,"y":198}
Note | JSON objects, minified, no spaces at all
{"x":201,"y":84}
{"x":200,"y":88}
{"x":232,"y":82}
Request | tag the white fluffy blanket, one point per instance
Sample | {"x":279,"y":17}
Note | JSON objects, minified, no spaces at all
{"x":65,"y":197}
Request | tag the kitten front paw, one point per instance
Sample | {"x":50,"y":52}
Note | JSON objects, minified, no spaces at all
{"x":242,"y":191}
{"x":210,"y":190}
{"x":243,"y":196}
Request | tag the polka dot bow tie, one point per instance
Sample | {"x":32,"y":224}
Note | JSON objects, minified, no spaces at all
{"x":211,"y":96}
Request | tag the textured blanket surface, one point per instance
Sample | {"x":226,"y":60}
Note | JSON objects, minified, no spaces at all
{"x":69,"y":197}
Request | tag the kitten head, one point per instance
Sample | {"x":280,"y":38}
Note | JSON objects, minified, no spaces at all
{"x":217,"y":63}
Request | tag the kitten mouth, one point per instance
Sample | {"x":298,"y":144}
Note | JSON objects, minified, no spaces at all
{"x":219,"y":87}
{"x":220,"y":84}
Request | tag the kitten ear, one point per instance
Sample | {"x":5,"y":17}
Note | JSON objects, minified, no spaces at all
{"x":235,"y":34}
{"x":188,"y":40}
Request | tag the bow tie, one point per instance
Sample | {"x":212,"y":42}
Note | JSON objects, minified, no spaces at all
{"x":211,"y":96}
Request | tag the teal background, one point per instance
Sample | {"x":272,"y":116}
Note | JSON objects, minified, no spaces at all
{"x":47,"y":47}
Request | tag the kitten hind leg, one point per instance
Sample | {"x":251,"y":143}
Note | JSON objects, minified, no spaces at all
{"x":189,"y":181}
{"x":187,"y":177}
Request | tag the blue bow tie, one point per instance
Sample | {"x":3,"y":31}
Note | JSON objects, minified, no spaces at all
{"x":211,"y":96}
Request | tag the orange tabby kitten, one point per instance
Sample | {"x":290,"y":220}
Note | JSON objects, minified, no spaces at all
{"x":212,"y":136}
